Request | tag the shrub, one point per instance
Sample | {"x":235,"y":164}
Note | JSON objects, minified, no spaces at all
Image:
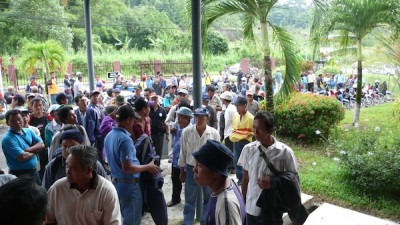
{"x":371,"y":166}
{"x":303,"y":114}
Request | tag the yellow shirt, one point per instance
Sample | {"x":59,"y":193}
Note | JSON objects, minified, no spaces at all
{"x":53,"y":89}
{"x":242,"y":128}
{"x":207,"y":80}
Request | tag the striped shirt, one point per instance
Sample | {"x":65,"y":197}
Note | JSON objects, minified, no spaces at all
{"x":279,"y":154}
{"x":242,"y":127}
{"x":191,"y":142}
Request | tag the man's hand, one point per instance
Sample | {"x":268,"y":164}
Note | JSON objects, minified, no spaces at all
{"x":153,"y":168}
{"x":264,"y":182}
{"x":182,"y":176}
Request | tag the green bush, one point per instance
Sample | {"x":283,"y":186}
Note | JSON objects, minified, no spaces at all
{"x":304,"y":114}
{"x":371,"y":165}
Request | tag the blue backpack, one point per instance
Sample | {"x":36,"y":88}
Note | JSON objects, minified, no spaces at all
{"x":145,"y":150}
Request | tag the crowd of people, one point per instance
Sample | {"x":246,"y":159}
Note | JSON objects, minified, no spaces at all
{"x":97,"y":154}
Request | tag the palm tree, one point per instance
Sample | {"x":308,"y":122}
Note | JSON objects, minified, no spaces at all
{"x":255,"y":13}
{"x":356,"y":18}
{"x":49,"y":55}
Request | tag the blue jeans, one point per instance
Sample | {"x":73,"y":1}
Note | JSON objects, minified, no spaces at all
{"x":193,"y":196}
{"x":53,"y":98}
{"x":237,"y":150}
{"x":131,"y":205}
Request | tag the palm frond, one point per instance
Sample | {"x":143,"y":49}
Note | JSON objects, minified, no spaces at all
{"x":292,"y":60}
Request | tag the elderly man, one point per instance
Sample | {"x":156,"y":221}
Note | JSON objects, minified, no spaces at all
{"x":226,"y":205}
{"x":55,"y":170}
{"x":192,"y":139}
{"x":20,"y":146}
{"x":215,"y":101}
{"x":256,"y":174}
{"x":83,"y":197}
{"x":252,"y":105}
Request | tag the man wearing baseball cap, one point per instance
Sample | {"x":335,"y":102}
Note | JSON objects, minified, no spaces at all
{"x":226,"y":204}
{"x":192,"y":139}
{"x":18,"y":101}
{"x":52,"y":126}
{"x":184,"y":117}
{"x":230,"y":111}
{"x":242,"y":133}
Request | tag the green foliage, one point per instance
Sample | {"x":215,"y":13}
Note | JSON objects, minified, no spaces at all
{"x":304,"y":114}
{"x":216,"y":43}
{"x":333,"y":69}
{"x":371,"y":165}
{"x":38,"y":20}
{"x":48,"y":56}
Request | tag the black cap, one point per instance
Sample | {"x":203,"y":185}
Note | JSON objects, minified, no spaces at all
{"x":240,"y":100}
{"x":20,"y":98}
{"x":215,"y":156}
{"x":72,"y":134}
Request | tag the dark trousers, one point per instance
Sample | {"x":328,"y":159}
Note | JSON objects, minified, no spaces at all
{"x":158,"y":143}
{"x":43,"y":159}
{"x":229,"y":144}
{"x":176,"y":184}
{"x":311,"y":87}
{"x":153,"y":197}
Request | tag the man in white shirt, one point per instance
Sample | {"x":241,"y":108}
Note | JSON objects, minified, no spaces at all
{"x":256,"y":174}
{"x":79,"y":89}
{"x":229,"y":113}
{"x":83,"y":197}
{"x":193,"y":137}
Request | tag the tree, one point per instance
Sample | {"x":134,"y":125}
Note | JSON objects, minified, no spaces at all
{"x":38,"y":20}
{"x":253,"y":12}
{"x":49,"y":55}
{"x":356,"y":18}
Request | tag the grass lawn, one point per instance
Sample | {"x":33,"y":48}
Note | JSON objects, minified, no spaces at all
{"x":324,"y":178}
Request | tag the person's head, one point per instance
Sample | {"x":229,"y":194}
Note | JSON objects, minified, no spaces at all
{"x":184,"y":102}
{"x":264,"y":126}
{"x":138,"y":90}
{"x":142,"y":107}
{"x":183,"y":93}
{"x":81,"y":101}
{"x":147,"y":92}
{"x":80,"y":164}
{"x":52,"y":75}
{"x":241,"y":105}
{"x":80,"y":78}
{"x":109,"y":92}
{"x":227,"y":87}
{"x":184,"y":116}
{"x":67,"y":75}
{"x":14,"y":120}
{"x":172,"y":89}
{"x":201,"y":117}
{"x":111,"y":111}
{"x":32,"y":79}
{"x":67,"y":115}
{"x":97,"y":78}
{"x":69,"y":138}
{"x":212,"y":161}
{"x":249,"y":96}
{"x":53,"y":111}
{"x":25,"y":117}
{"x":29,"y":98}
{"x":210,"y":91}
{"x":22,"y":201}
{"x":94,"y":97}
{"x":37,"y":105}
{"x":17,"y":100}
{"x":154,"y":98}
{"x":226,"y":97}
{"x":61,"y":99}
{"x":116,"y":91}
{"x":126,"y":116}
{"x":206,"y":99}
{"x":119,"y":100}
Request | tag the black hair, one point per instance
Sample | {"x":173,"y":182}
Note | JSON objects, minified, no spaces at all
{"x":210,"y":88}
{"x":22,"y":201}
{"x":149,"y":89}
{"x":77,"y":98}
{"x":125,"y":112}
{"x":12,"y":112}
{"x":36,"y":99}
{"x":109,"y":92}
{"x":267,"y":118}
{"x":140,"y":103}
{"x":60,"y":97}
{"x":88,"y":155}
{"x":63,"y":113}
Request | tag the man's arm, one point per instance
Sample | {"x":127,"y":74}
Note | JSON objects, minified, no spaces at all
{"x":129,"y":167}
{"x":245,"y":183}
{"x":35,"y":148}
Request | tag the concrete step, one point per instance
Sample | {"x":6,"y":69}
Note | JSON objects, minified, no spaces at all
{"x":328,"y":214}
{"x":308,"y":202}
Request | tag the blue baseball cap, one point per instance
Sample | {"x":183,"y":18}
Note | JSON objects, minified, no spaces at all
{"x":184,"y":111}
{"x":203,"y":111}
{"x":205,"y":97}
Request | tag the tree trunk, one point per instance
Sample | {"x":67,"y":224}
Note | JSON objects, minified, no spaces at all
{"x":359,"y":85}
{"x":269,"y":95}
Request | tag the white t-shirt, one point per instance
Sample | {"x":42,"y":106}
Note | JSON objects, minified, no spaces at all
{"x":229,"y":114}
{"x":280,"y":155}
